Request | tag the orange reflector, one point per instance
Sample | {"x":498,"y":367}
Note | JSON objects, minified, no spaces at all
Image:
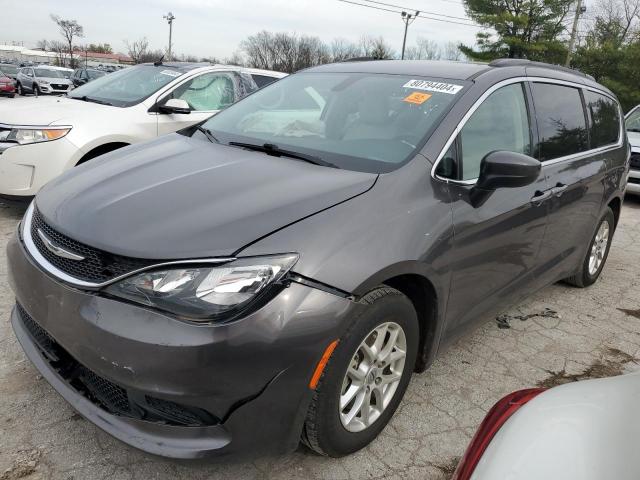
{"x":55,"y":134}
{"x":321,"y":364}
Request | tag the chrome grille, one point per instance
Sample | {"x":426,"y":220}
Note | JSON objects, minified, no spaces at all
{"x":98,"y":266}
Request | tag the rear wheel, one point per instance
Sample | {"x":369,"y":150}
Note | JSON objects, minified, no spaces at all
{"x":597,"y":253}
{"x":19,"y":89}
{"x":366,"y":377}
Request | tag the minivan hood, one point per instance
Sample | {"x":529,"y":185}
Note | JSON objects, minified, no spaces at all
{"x":177,"y":197}
{"x":46,"y":110}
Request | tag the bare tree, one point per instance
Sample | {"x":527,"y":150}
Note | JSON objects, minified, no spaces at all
{"x":138,"y":49}
{"x":42,"y":44}
{"x":60,"y":49}
{"x":342,"y":49}
{"x":424,"y":49}
{"x":450,"y":51}
{"x":375,"y":47}
{"x":284,"y":51}
{"x":235,"y":59}
{"x":69,"y":29}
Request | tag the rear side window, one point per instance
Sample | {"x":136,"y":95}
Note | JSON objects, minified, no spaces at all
{"x":604,"y":128}
{"x":561,"y":120}
{"x":262,"y":80}
{"x":500,"y":123}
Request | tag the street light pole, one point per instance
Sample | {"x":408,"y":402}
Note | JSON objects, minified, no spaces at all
{"x":574,"y":31}
{"x":169,"y":18}
{"x":407,"y":18}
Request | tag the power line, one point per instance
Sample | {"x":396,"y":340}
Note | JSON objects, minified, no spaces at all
{"x":422,"y":11}
{"x":422,"y":17}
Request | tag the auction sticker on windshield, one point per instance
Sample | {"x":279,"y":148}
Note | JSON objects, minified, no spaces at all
{"x":417,"y":98}
{"x":430,"y":86}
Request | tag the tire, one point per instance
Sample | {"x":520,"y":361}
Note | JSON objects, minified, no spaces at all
{"x":36,"y":90}
{"x":587,"y":275}
{"x":20,"y":90}
{"x":324,"y":430}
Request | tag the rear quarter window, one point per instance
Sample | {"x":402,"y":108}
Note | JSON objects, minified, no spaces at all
{"x":262,"y":80}
{"x":604,"y":119}
{"x":561,"y":120}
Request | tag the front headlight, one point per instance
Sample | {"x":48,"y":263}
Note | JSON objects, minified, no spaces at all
{"x":203,"y":293}
{"x":24,"y":136}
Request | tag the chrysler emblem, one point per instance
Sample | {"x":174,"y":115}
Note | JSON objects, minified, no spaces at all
{"x":57,"y":250}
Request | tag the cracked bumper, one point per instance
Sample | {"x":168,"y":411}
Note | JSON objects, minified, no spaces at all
{"x":250,"y":372}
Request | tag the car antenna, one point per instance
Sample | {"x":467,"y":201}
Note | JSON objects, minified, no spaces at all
{"x":158,"y":62}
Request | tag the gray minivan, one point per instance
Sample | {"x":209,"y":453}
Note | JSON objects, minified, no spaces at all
{"x":279,"y":271}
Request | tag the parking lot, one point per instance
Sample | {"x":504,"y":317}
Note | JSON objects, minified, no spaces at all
{"x":560,"y":334}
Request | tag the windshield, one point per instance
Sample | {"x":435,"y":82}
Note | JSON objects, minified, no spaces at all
{"x":93,"y":74}
{"x":49,"y":73}
{"x":633,"y":121}
{"x":364,"y":122}
{"x":10,"y":69}
{"x":129,"y":86}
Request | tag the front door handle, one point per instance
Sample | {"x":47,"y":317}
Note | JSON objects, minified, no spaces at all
{"x":559,"y":189}
{"x":540,"y":197}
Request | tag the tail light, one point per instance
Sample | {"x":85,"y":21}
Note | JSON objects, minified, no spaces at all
{"x":497,"y":416}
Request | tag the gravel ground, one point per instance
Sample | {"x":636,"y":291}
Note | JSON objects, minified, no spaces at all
{"x":561,"y":334}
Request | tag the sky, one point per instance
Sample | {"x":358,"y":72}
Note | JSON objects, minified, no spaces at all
{"x":214,"y":28}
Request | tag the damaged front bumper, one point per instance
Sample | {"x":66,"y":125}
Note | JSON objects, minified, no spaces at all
{"x":172,"y":388}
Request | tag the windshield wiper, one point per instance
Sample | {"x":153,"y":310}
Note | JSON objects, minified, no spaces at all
{"x":207,"y":133}
{"x":274,"y":150}
{"x":84,"y":98}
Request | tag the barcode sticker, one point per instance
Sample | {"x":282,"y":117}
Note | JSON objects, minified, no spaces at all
{"x":430,"y":86}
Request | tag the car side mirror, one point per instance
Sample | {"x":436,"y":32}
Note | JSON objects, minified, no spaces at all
{"x":175,"y":105}
{"x":502,"y":169}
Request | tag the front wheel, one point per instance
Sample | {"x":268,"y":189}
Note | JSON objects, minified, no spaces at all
{"x":36,"y":90}
{"x":366,"y":377}
{"x":597,"y":253}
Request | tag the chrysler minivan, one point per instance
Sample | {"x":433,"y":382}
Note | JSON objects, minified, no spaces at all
{"x":278,"y":272}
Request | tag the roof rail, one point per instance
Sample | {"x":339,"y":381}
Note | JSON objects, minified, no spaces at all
{"x":522,"y":62}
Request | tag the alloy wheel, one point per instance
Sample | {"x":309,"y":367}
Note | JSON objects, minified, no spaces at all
{"x":373,"y":376}
{"x":599,"y":248}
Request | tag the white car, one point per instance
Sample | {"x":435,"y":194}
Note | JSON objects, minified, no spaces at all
{"x":42,"y":137}
{"x":42,"y":79}
{"x":586,"y":430}
{"x":632,"y":122}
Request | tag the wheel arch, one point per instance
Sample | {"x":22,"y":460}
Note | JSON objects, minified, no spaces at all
{"x":427,"y":291}
{"x":615,"y":204}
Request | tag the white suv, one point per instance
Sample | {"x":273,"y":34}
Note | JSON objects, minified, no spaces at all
{"x":42,"y":79}
{"x":42,"y":137}
{"x":632,"y":121}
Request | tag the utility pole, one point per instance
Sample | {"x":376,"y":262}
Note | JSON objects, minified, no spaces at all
{"x":407,"y":18}
{"x":169,"y":18}
{"x":574,"y":31}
